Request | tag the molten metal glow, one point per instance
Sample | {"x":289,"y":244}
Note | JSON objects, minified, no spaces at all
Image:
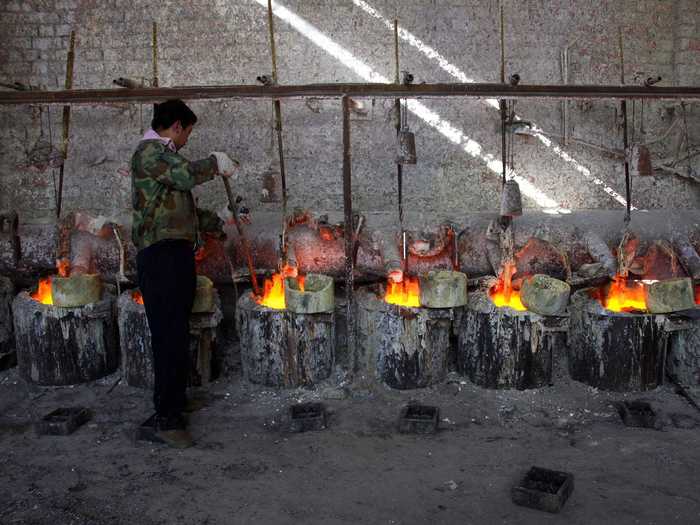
{"x":43,"y":291}
{"x":623,"y":295}
{"x":403,"y":293}
{"x":502,"y":293}
{"x":137,"y":297}
{"x":63,"y":267}
{"x":273,"y":288}
{"x":697,"y":294}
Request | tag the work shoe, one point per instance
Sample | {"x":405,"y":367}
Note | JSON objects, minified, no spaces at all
{"x":194,"y":404}
{"x":173,"y":431}
{"x":176,"y":438}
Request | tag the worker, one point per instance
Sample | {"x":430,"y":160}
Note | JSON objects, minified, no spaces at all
{"x":166,"y":229}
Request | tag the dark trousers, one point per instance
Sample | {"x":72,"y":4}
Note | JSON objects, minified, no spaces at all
{"x":167,"y":278}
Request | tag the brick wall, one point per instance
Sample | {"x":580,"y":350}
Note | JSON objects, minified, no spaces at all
{"x":219,"y":41}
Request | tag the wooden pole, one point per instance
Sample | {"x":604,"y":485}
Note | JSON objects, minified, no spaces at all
{"x":66,"y":122}
{"x":154,"y":51}
{"x":347,"y":208}
{"x":391,"y":90}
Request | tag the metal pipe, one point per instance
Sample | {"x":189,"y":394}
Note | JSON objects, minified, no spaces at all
{"x":474,"y":90}
{"x":349,"y":241}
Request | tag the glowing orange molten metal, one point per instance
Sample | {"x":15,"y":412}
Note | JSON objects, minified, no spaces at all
{"x":403,"y":293}
{"x":273,"y":288}
{"x":43,"y":291}
{"x":502,"y":293}
{"x":63,"y":267}
{"x":622,"y":295}
{"x":697,"y":294}
{"x":137,"y":297}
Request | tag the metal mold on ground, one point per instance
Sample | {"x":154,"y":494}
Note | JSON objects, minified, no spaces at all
{"x":135,"y":340}
{"x":543,"y":489}
{"x":622,"y":351}
{"x":404,"y":347}
{"x":282,"y":348}
{"x":419,"y":419}
{"x":62,"y":421}
{"x":306,"y":417}
{"x":637,"y":414}
{"x":501,"y":347}
{"x":64,"y":346}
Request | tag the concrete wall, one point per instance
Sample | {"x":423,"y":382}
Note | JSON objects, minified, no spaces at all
{"x":225,"y":42}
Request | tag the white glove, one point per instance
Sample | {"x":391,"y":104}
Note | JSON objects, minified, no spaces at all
{"x":225,"y":164}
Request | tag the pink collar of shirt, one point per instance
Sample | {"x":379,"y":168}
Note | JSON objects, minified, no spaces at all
{"x":153,"y":135}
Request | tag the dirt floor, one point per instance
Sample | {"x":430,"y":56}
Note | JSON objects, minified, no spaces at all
{"x":247,"y":468}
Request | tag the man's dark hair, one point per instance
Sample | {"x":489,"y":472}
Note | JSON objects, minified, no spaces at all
{"x":167,"y":113}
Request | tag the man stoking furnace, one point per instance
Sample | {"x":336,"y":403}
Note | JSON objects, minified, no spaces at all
{"x":166,"y":229}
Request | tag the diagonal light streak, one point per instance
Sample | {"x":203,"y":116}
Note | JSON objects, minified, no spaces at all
{"x":430,"y":117}
{"x":458,"y":74}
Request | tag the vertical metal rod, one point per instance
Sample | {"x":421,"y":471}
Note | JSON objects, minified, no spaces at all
{"x":278,"y":128}
{"x":347,"y":208}
{"x":154,"y":51}
{"x":66,"y":122}
{"x":397,"y":102}
{"x":502,"y":102}
{"x":628,"y":183}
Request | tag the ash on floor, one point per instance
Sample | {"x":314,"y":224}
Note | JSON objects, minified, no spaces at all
{"x":246,"y":467}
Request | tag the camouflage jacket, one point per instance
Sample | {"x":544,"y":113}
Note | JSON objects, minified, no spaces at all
{"x":163,"y":205}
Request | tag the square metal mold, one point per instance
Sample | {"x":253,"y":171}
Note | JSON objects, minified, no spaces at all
{"x":543,"y":489}
{"x":62,"y":421}
{"x":305,"y":417}
{"x":419,"y":419}
{"x":637,"y":414}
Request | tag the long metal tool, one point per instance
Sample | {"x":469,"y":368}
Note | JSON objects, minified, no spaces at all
{"x":278,"y":127}
{"x":349,"y":241}
{"x":66,"y":123}
{"x":233,"y":207}
{"x":628,"y":184}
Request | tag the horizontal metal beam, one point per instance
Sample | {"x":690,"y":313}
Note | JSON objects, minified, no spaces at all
{"x":91,"y":96}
